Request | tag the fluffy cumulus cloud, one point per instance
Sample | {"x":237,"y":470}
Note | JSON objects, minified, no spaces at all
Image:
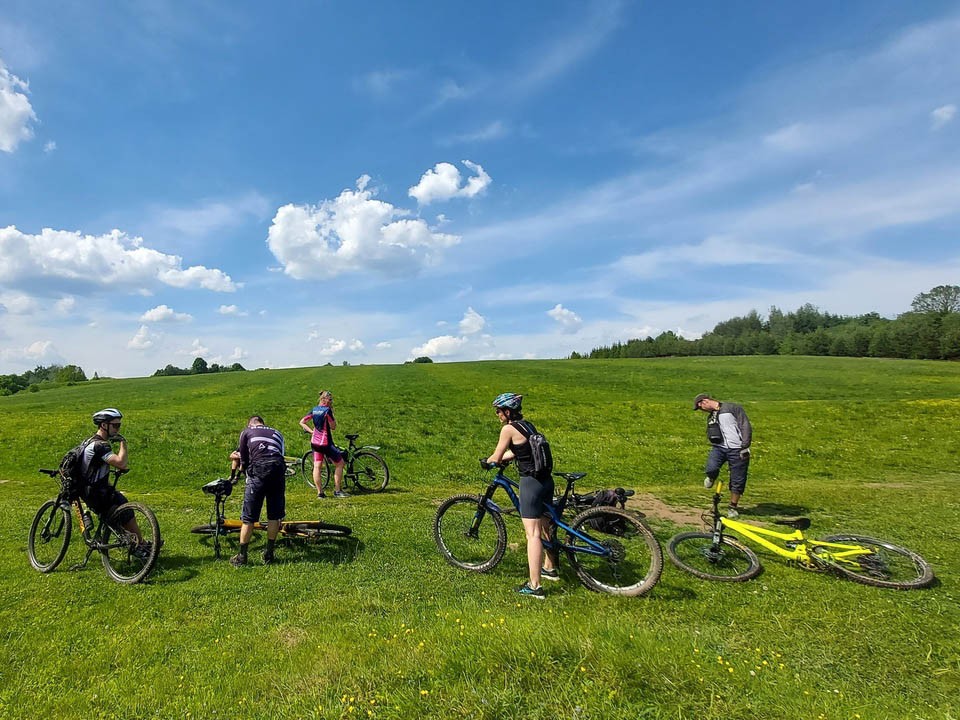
{"x":442,"y":346}
{"x":330,"y":347}
{"x":114,"y":259}
{"x":17,"y":303}
{"x":444,"y":182}
{"x":196,"y":349}
{"x":568,"y":320}
{"x":350,"y":233}
{"x":16,"y":113}
{"x":163,"y":313}
{"x":40,"y":351}
{"x":231,"y":310}
{"x":143,"y":339}
{"x":942,"y":115}
{"x":472,"y":323}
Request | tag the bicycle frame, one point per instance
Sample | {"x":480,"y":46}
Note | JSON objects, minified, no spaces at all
{"x":794,"y":545}
{"x":554,"y":511}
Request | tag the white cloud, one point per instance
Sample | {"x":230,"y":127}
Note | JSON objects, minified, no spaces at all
{"x":492,"y":131}
{"x":40,"y":351}
{"x":238,"y":354}
{"x":212,"y":216}
{"x":142,"y":339}
{"x":163,"y":313}
{"x":232,"y":310}
{"x":472,"y":322}
{"x":442,"y":346}
{"x":444,"y":182}
{"x":17,"y":303}
{"x":49,"y":146}
{"x":16,"y":113}
{"x":350,"y":233}
{"x":355,"y":345}
{"x":568,"y":320}
{"x":196,"y":349}
{"x":380,"y":83}
{"x":110,"y":260}
{"x":331,"y":347}
{"x":383,"y":345}
{"x":942,"y":115}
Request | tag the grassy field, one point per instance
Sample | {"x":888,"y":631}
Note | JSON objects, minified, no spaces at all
{"x":381,"y":627}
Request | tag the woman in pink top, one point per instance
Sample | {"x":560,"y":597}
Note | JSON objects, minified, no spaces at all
{"x":321,"y":424}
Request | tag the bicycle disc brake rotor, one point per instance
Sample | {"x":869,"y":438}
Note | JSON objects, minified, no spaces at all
{"x":618,"y":553}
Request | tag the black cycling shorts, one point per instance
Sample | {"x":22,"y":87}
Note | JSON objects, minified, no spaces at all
{"x":534,"y":494}
{"x":267,"y":481}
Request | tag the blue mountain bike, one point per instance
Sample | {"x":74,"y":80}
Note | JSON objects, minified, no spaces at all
{"x":611,"y":549}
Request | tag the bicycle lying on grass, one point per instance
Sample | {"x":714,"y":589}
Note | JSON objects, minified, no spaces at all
{"x":364,"y":468}
{"x":126,"y":558}
{"x":715,"y":556}
{"x":611,"y":549}
{"x":220,"y":525}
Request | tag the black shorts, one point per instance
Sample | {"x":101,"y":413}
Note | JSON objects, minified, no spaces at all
{"x":534,"y":494}
{"x":103,"y":499}
{"x":268,"y":482}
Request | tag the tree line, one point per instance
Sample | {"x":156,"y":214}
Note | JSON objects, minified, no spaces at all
{"x":41,"y":377}
{"x":930,"y":330}
{"x":199,"y":367}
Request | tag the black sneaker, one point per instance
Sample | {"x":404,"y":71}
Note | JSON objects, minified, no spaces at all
{"x":549,"y":574}
{"x":238,"y":560}
{"x":267,"y":557}
{"x":528,"y":591}
{"x":321,"y":495}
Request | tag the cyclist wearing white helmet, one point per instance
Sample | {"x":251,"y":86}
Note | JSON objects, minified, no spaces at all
{"x":98,"y":457}
{"x":535,"y":490}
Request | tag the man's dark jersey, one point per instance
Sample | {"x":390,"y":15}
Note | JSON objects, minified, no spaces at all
{"x":260,"y":444}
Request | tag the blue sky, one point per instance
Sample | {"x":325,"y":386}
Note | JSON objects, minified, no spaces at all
{"x":291,"y":184}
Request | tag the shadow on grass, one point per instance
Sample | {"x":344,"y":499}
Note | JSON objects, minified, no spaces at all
{"x":769,"y":509}
{"x":331,"y":551}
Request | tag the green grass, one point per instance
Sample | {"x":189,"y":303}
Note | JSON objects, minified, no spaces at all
{"x":381,"y":627}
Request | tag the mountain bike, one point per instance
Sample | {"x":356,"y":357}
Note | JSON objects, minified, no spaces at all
{"x":220,"y":525}
{"x":714,"y":555}
{"x":126,"y":558}
{"x":611,"y":549}
{"x":364,"y":468}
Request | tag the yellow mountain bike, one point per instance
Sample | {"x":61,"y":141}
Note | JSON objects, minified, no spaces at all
{"x":714,"y":555}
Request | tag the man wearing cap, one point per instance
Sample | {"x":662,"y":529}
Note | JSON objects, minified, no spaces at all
{"x":730,"y":433}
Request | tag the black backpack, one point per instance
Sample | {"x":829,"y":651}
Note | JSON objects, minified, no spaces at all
{"x":539,"y":447}
{"x":71,"y":470}
{"x":600,"y":498}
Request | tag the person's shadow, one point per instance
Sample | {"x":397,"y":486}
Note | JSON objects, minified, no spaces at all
{"x":773,"y":509}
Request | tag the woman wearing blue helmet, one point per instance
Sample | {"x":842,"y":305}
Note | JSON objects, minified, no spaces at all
{"x":535,"y":489}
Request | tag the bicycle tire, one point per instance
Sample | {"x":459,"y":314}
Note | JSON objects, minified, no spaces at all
{"x":461,"y":548}
{"x":211,"y":529}
{"x":635,"y":560}
{"x":130,"y":562}
{"x":369,"y":471}
{"x":314,"y":530}
{"x":878,"y":569}
{"x":306,"y":468}
{"x":734,"y":562}
{"x":49,"y":536}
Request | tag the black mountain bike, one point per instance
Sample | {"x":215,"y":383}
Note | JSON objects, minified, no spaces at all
{"x":364,"y":468}
{"x":126,"y":558}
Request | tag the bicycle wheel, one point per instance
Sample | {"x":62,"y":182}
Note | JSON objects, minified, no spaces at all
{"x":370,"y":471}
{"x":126,"y":559}
{"x":696,"y":553}
{"x":314,"y":530}
{"x":878,"y":563}
{"x":49,"y":536}
{"x":479,"y":550}
{"x":633,"y":560}
{"x":306,"y":468}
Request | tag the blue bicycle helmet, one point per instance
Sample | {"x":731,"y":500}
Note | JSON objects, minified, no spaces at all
{"x":508,"y":400}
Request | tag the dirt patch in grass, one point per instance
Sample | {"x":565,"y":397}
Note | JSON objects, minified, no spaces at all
{"x":653,"y":506}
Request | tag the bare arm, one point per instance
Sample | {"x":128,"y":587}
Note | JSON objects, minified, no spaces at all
{"x":119,"y":458}
{"x":503,"y":453}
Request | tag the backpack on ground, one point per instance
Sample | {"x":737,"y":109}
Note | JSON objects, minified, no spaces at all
{"x":71,"y":470}
{"x":601,"y":498}
{"x":539,"y":447}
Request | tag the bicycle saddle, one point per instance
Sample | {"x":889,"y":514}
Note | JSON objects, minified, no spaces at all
{"x":796,"y":523}
{"x":570,"y":476}
{"x":220,"y":486}
{"x":351,"y":437}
